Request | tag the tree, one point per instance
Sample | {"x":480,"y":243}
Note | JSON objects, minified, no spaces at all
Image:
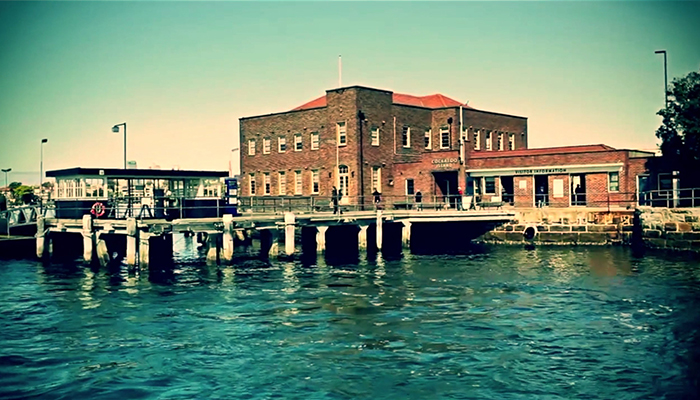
{"x":680,"y":130}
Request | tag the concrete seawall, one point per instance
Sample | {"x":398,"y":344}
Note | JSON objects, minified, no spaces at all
{"x":564,"y":227}
{"x":673,"y":229}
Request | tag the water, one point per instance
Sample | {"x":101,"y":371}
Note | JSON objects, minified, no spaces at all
{"x":499,"y":323}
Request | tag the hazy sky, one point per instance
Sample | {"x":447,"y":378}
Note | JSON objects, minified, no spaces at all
{"x":182,"y":73}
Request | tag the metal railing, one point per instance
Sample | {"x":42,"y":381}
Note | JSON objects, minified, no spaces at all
{"x":18,"y":216}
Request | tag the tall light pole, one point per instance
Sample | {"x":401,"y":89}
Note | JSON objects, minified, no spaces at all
{"x":6,"y":171}
{"x":115,"y":129}
{"x":665,"y":74}
{"x":41,"y":166}
{"x":233,"y":151}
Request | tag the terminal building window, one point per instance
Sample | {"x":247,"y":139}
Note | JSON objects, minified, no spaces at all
{"x":500,"y":142}
{"x":281,"y":144}
{"x":251,"y":182}
{"x":344,"y":180}
{"x":377,"y":179}
{"x":445,"y":138}
{"x":511,"y":141}
{"x":266,"y":146}
{"x":314,"y":182}
{"x":428,"y":139}
{"x":314,"y":140}
{"x":614,"y":181}
{"x":465,"y":135}
{"x":477,"y":139}
{"x":342,"y":134}
{"x":251,"y":147}
{"x":282,"y":183}
{"x":406,"y":136}
{"x":490,"y":185}
{"x":410,"y":189}
{"x":488,"y":141}
{"x":266,"y":183}
{"x":374,"y":134}
{"x":297,"y":182}
{"x":297,"y":142}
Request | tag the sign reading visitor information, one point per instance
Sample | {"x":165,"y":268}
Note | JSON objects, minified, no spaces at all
{"x":540,"y":171}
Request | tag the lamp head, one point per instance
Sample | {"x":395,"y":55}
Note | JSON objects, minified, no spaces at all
{"x":115,"y":129}
{"x":44,"y":140}
{"x":660,"y":52}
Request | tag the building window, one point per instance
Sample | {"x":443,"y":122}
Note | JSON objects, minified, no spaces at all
{"x":500,"y":142}
{"x":377,"y":179}
{"x":410,"y":189}
{"x":282,"y":183}
{"x":266,"y":146}
{"x":613,"y":181}
{"x":266,"y":183}
{"x":511,"y":141}
{"x":297,"y":142}
{"x":406,"y":136}
{"x":465,"y":135}
{"x":251,"y":183}
{"x":315,"y":185}
{"x":444,"y":138}
{"x":490,"y":185}
{"x":315,"y":139}
{"x":665,"y":182}
{"x":281,"y":144}
{"x":488,"y":140}
{"x":342,"y":134}
{"x":374,"y":135}
{"x":429,"y":139}
{"x":251,"y":147}
{"x":477,"y":139}
{"x":297,"y":182}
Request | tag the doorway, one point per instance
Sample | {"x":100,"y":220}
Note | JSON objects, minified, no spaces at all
{"x":507,"y":190}
{"x":578,"y":190}
{"x":446,"y":187}
{"x":541,"y":190}
{"x":343,"y":181}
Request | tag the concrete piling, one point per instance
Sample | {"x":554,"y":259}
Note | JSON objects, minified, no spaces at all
{"x":321,"y":239}
{"x":144,"y":250}
{"x":227,"y":245}
{"x":379,"y":230}
{"x":88,"y":239}
{"x":362,"y":237}
{"x":289,"y":224}
{"x":42,"y":237}
{"x":102,"y":252}
{"x":131,"y":241}
{"x":212,"y":248}
{"x":406,"y":234}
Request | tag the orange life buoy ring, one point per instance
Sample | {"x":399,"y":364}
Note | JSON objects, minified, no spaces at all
{"x":98,"y":209}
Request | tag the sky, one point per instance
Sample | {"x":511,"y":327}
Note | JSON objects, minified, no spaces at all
{"x":181,"y":74}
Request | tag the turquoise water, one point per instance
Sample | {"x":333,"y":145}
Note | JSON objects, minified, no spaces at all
{"x":498,"y":323}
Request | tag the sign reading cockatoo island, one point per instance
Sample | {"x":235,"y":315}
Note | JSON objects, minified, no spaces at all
{"x":445,"y":162}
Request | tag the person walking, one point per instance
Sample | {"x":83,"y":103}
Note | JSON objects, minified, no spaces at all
{"x":334,"y":200}
{"x":419,"y":201}
{"x":460,"y":193}
{"x":377,"y":198}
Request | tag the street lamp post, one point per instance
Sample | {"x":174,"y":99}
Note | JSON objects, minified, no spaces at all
{"x":6,"y":171}
{"x":41,"y":166}
{"x":115,"y":129}
{"x":665,"y":74}
{"x":233,"y":151}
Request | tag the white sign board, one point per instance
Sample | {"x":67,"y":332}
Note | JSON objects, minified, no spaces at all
{"x":522,"y":184}
{"x":558,"y":187}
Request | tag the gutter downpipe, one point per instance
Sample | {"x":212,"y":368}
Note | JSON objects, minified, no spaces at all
{"x":395,"y":153}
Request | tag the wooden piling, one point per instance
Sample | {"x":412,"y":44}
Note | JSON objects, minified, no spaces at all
{"x":102,"y":252}
{"x":406,"y":234}
{"x":144,"y":250}
{"x":212,"y":248}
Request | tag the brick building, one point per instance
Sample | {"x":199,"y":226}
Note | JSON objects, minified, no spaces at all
{"x":360,"y":139}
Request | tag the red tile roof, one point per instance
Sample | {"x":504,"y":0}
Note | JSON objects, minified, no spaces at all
{"x":430,"y":101}
{"x":588,"y":148}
